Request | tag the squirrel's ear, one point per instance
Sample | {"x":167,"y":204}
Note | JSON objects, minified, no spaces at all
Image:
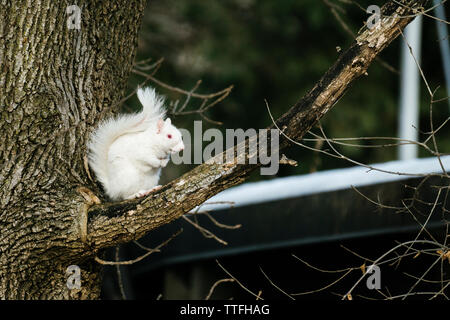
{"x":159,"y":125}
{"x":168,"y":121}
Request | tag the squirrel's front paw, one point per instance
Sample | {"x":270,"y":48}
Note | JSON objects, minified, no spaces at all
{"x":139,"y":194}
{"x":143,"y":193}
{"x":164,"y":162}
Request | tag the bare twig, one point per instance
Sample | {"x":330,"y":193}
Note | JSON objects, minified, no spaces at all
{"x":216,"y":284}
{"x":277,"y":287}
{"x":119,"y":275}
{"x":239,"y":283}
{"x":205,"y":232}
{"x":128,"y":262}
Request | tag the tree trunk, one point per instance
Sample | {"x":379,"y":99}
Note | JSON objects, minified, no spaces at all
{"x":56,"y":84}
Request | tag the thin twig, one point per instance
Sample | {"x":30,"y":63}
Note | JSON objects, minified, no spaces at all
{"x":239,"y":283}
{"x":277,"y":287}
{"x":205,"y":232}
{"x":119,"y":275}
{"x":128,"y":262}
{"x":216,"y":284}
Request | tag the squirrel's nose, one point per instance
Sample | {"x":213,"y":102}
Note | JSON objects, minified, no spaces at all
{"x":178,"y":148}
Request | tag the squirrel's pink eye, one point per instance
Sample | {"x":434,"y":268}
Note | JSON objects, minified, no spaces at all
{"x":169,"y":136}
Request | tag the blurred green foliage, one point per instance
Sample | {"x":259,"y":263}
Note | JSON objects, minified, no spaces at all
{"x":277,"y":50}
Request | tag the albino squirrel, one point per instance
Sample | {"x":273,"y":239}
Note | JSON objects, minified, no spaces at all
{"x":127,"y":152}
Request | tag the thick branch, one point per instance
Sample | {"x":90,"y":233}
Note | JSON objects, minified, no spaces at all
{"x":113,"y":223}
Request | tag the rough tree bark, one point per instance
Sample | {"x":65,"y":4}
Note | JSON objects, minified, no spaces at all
{"x":56,"y":83}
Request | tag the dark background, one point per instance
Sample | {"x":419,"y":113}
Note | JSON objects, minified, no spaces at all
{"x":277,"y":50}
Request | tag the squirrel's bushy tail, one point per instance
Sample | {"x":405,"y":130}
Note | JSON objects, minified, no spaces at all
{"x":109,"y":130}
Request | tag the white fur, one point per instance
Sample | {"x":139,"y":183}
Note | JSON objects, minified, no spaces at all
{"x":127,"y":152}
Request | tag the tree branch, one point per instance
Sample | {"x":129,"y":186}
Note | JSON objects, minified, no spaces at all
{"x":113,"y":223}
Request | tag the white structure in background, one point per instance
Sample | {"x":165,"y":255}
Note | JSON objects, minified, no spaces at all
{"x":443,"y":41}
{"x":408,"y":120}
{"x":323,"y":181}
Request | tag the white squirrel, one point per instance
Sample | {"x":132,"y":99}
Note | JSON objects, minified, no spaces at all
{"x":127,"y":152}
